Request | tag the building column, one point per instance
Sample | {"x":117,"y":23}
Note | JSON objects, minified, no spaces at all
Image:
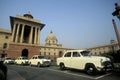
{"x":35,"y":37}
{"x":30,"y":36}
{"x":38,"y":36}
{"x":22,"y":33}
{"x":13,"y":32}
{"x":18,"y":27}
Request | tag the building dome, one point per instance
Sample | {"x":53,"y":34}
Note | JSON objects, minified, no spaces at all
{"x":51,"y":39}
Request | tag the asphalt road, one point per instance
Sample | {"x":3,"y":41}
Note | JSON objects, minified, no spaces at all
{"x":17,"y":72}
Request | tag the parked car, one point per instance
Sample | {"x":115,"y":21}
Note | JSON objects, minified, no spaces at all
{"x":81,"y":59}
{"x":8,"y":60}
{"x":39,"y":60}
{"x":22,"y":61}
{"x":3,"y":71}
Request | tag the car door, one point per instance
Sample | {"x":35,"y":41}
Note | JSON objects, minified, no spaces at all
{"x":66,"y":59}
{"x":33,"y":60}
{"x":76,"y":60}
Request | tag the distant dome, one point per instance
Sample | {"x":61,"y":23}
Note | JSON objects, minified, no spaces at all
{"x":28,"y":15}
{"x":51,"y":39}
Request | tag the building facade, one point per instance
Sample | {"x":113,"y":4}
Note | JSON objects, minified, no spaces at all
{"x":25,"y":36}
{"x":5,"y":38}
{"x":98,"y":50}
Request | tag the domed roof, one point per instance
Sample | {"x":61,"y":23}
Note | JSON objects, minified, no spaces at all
{"x":51,"y":36}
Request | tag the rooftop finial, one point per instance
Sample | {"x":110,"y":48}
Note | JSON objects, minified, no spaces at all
{"x":51,"y":31}
{"x":28,"y":12}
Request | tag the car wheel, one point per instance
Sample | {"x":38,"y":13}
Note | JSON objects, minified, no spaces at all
{"x":22,"y":63}
{"x":30,"y":64}
{"x":38,"y":65}
{"x":62,"y":66}
{"x":91,"y":70}
{"x":5,"y":62}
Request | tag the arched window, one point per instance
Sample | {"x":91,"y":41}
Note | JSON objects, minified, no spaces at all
{"x":4,"y":45}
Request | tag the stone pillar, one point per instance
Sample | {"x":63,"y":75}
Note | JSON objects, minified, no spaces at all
{"x":31,"y":34}
{"x":18,"y":27}
{"x":38,"y":36}
{"x":35,"y":37}
{"x":13,"y":32}
{"x":22,"y":33}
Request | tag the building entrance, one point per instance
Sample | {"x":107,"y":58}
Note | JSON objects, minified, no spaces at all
{"x":24,"y":52}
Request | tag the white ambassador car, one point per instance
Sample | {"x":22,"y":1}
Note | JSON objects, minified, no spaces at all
{"x":22,"y":61}
{"x":81,"y":59}
{"x":39,"y":61}
{"x":8,"y":60}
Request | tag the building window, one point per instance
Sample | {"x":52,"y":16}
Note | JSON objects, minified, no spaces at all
{"x":40,"y":53}
{"x":4,"y":45}
{"x":99,"y":53}
{"x":95,"y":53}
{"x":6,"y":37}
{"x":44,"y":53}
{"x":54,"y":54}
{"x":60,"y":54}
{"x":49,"y":54}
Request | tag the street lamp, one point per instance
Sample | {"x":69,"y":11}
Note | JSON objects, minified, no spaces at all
{"x":117,"y":11}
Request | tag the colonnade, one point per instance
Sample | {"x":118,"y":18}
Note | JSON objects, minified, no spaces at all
{"x":18,"y":32}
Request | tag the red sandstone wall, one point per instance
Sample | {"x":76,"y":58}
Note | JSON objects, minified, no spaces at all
{"x":15,"y":50}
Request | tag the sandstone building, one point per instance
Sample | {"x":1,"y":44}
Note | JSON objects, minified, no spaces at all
{"x":98,"y":50}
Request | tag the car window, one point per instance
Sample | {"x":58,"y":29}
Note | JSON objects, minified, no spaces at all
{"x":41,"y":57}
{"x":8,"y":58}
{"x":85,"y":53}
{"x":35,"y":57}
{"x":68,"y":54}
{"x":24,"y":58}
{"x":76,"y":54}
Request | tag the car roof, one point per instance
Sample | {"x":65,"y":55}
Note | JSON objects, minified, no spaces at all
{"x":37,"y":55}
{"x":75,"y":50}
{"x":22,"y":57}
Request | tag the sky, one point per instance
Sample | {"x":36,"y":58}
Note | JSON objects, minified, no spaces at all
{"x":75,"y":23}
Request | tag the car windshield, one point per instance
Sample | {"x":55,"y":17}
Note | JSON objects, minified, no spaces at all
{"x":24,"y":58}
{"x":85,"y":53}
{"x":8,"y":58}
{"x":41,"y":57}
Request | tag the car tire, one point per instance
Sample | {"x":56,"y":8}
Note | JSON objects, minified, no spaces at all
{"x":38,"y":65}
{"x":22,"y":63}
{"x":30,"y":64}
{"x":62,"y":66}
{"x":90,"y":70}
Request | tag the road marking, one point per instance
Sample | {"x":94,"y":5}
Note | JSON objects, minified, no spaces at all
{"x":20,"y":77}
{"x":89,"y":77}
{"x":103,"y":76}
{"x":66,"y":72}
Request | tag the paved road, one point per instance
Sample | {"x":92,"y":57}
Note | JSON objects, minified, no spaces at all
{"x":16,"y":72}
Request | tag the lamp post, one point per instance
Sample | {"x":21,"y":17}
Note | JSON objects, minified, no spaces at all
{"x":117,"y":14}
{"x":117,"y":11}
